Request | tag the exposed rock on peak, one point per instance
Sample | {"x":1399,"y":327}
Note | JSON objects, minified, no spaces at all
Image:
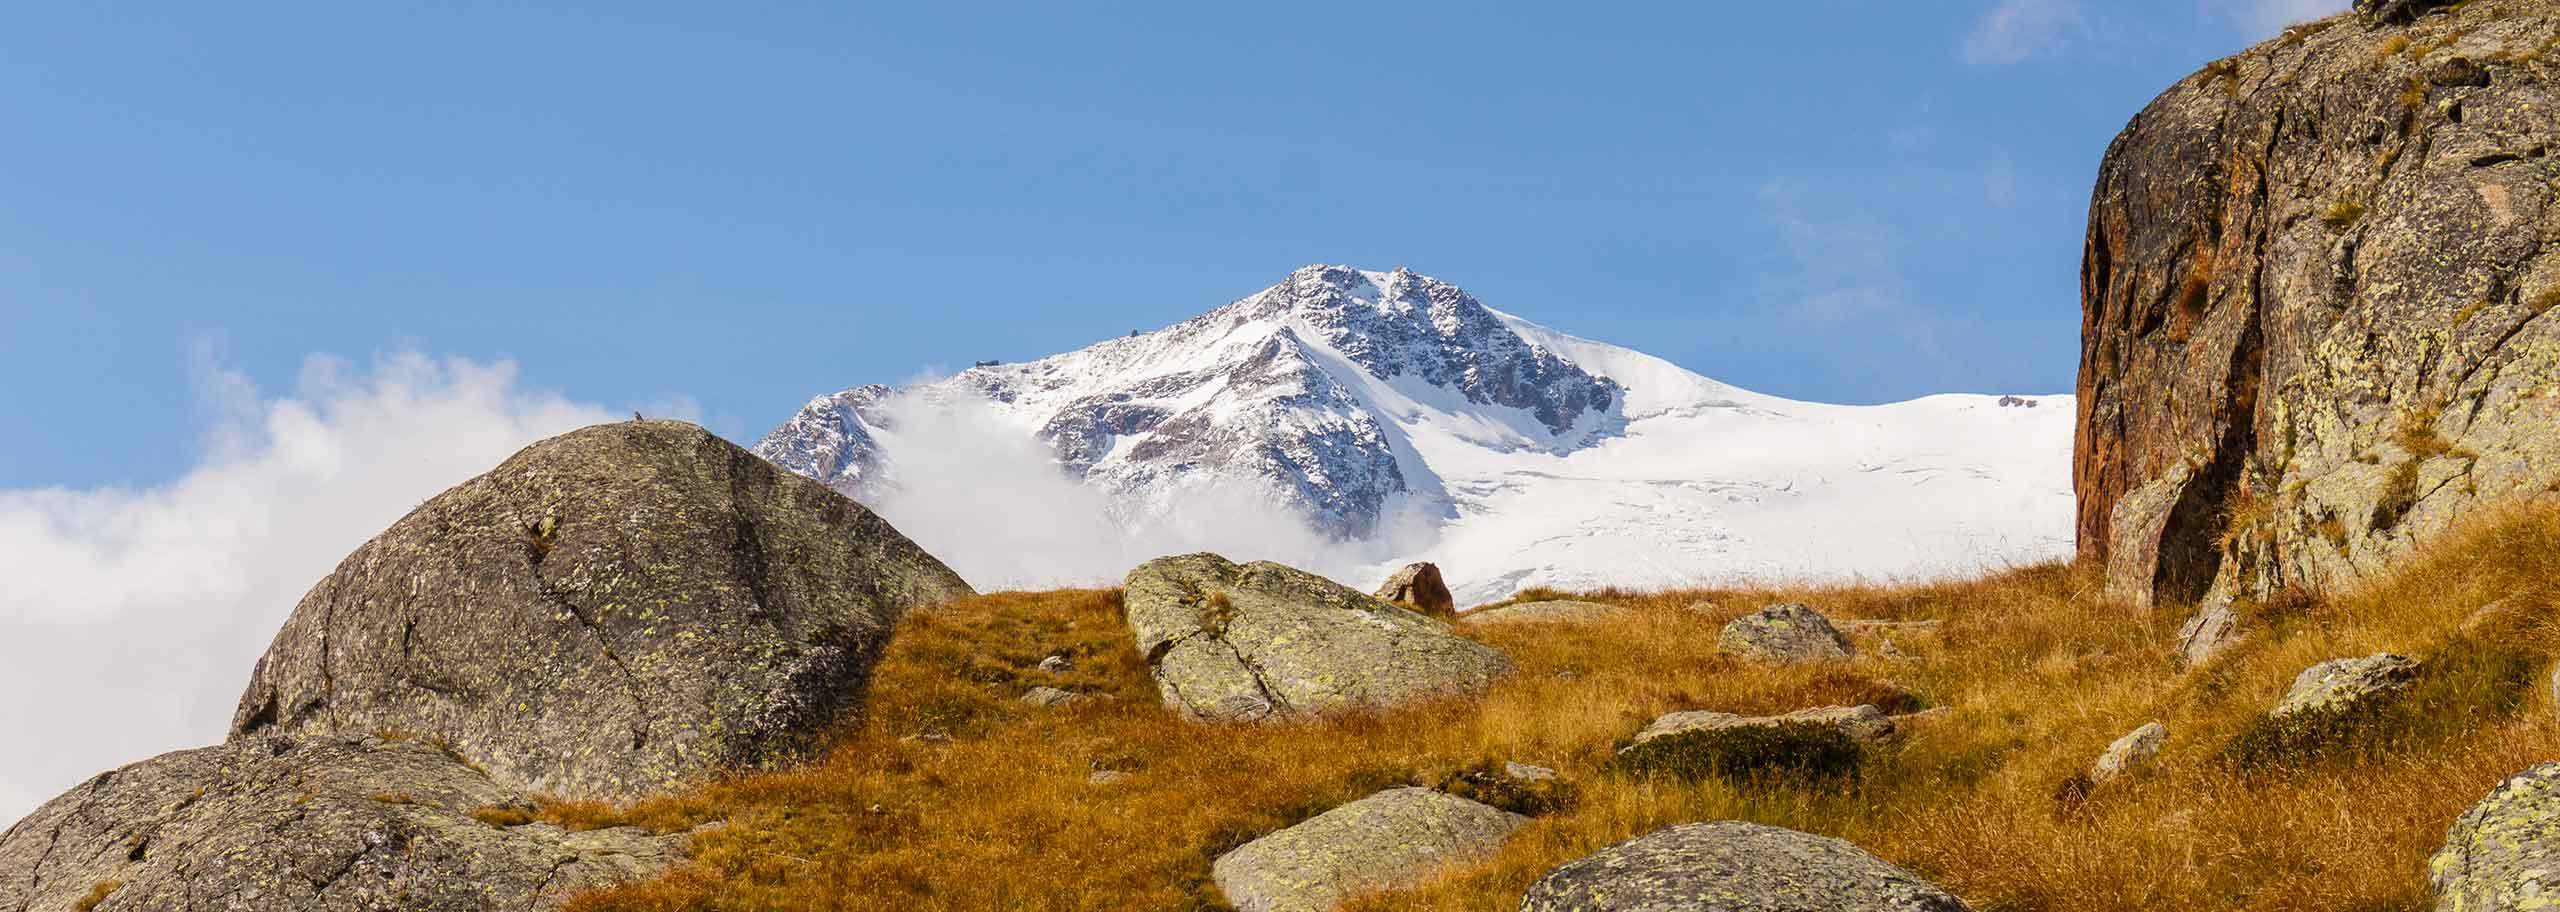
{"x":607,"y":612}
{"x":2317,"y":304}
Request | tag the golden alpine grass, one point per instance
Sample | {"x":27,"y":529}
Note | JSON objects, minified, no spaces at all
{"x":950,"y":792}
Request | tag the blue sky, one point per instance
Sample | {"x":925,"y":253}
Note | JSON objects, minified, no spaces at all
{"x":707,"y":210}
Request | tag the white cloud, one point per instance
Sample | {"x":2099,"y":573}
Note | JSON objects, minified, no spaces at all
{"x":2265,"y":17}
{"x":2014,"y":30}
{"x":993,"y":503}
{"x":131,"y":616}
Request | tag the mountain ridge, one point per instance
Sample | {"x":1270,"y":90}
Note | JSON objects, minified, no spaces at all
{"x":1402,"y":417}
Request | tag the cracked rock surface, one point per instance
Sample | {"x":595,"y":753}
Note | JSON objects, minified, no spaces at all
{"x":305,"y":825}
{"x":1393,"y":840}
{"x":607,"y":613}
{"x":2503,"y":855}
{"x":1731,"y":866}
{"x":1231,"y":642}
{"x":2318,"y":321}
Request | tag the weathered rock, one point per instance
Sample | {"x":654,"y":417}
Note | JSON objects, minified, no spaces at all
{"x":1527,"y":772}
{"x":1784,"y":633}
{"x":605,"y":613}
{"x":1056,"y":663}
{"x":1051,"y":696}
{"x":1547,"y":612}
{"x":2346,"y":685}
{"x":304,"y":824}
{"x":1731,"y":866}
{"x":2383,"y":11}
{"x":1823,"y":742}
{"x":1418,"y":587}
{"x":2503,"y":855}
{"x":2132,"y":752}
{"x":2316,"y":323}
{"x":1393,"y":840}
{"x":2206,"y":633}
{"x":1231,"y":642}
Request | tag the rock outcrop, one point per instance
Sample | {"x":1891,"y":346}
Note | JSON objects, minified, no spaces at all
{"x":2317,"y":303}
{"x":1230,"y":642}
{"x":2341,"y":686}
{"x":1418,"y":586}
{"x":1393,"y":840}
{"x":2503,"y":855}
{"x":605,"y":613}
{"x":310,"y":824}
{"x":1731,"y":866}
{"x":1784,"y":634}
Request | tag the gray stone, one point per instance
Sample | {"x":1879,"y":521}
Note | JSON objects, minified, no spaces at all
{"x":308,"y":824}
{"x":2379,"y":12}
{"x":606,"y":613}
{"x":2132,"y":752}
{"x":1106,"y":777}
{"x":1393,"y":840}
{"x":1786,"y":634}
{"x":1229,"y":642}
{"x":1418,"y":586}
{"x":2213,"y":628}
{"x":1051,"y":696}
{"x":2503,"y":855}
{"x":1055,"y":664}
{"x":1547,"y":612}
{"x":1527,"y":772}
{"x":1731,"y":866}
{"x":1825,"y":742}
{"x":2345,"y":685}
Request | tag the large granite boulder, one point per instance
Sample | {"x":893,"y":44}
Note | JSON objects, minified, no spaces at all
{"x":1731,"y":866}
{"x":2317,"y":322}
{"x":1232,"y":642}
{"x":1784,"y":634}
{"x":1418,"y":586}
{"x":1393,"y":840}
{"x":605,"y":613}
{"x":307,"y":824}
{"x":2503,"y":855}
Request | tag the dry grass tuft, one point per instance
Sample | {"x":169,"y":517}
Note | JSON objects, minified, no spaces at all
{"x":97,"y":894}
{"x":2040,"y":674}
{"x":2342,"y":213}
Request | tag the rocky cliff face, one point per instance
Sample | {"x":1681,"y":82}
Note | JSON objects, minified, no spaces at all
{"x":2317,"y":303}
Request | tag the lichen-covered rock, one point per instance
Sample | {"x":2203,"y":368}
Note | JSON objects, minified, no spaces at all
{"x":1824,"y":742}
{"x":1784,"y":633}
{"x":2383,"y":11}
{"x":310,"y":824}
{"x":2317,"y":304}
{"x":1230,"y":642}
{"x":2341,"y":686}
{"x":2132,"y":752}
{"x":2503,"y":855}
{"x":607,"y":612}
{"x":1547,"y":612}
{"x":1393,"y":840}
{"x":1731,"y":866}
{"x":1418,"y":586}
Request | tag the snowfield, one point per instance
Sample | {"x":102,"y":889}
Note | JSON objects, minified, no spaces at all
{"x":1350,"y":421}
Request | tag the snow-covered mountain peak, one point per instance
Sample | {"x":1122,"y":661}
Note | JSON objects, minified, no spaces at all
{"x":1359,"y":400}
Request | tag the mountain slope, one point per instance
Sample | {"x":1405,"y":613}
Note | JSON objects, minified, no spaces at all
{"x":1397,"y":414}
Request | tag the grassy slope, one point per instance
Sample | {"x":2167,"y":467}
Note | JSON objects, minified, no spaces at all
{"x":2040,"y":675}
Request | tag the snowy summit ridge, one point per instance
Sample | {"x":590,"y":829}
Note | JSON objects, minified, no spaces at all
{"x":1359,"y":400}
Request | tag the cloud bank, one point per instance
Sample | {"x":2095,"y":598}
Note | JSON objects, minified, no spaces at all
{"x":131,"y":616}
{"x":994,"y":504}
